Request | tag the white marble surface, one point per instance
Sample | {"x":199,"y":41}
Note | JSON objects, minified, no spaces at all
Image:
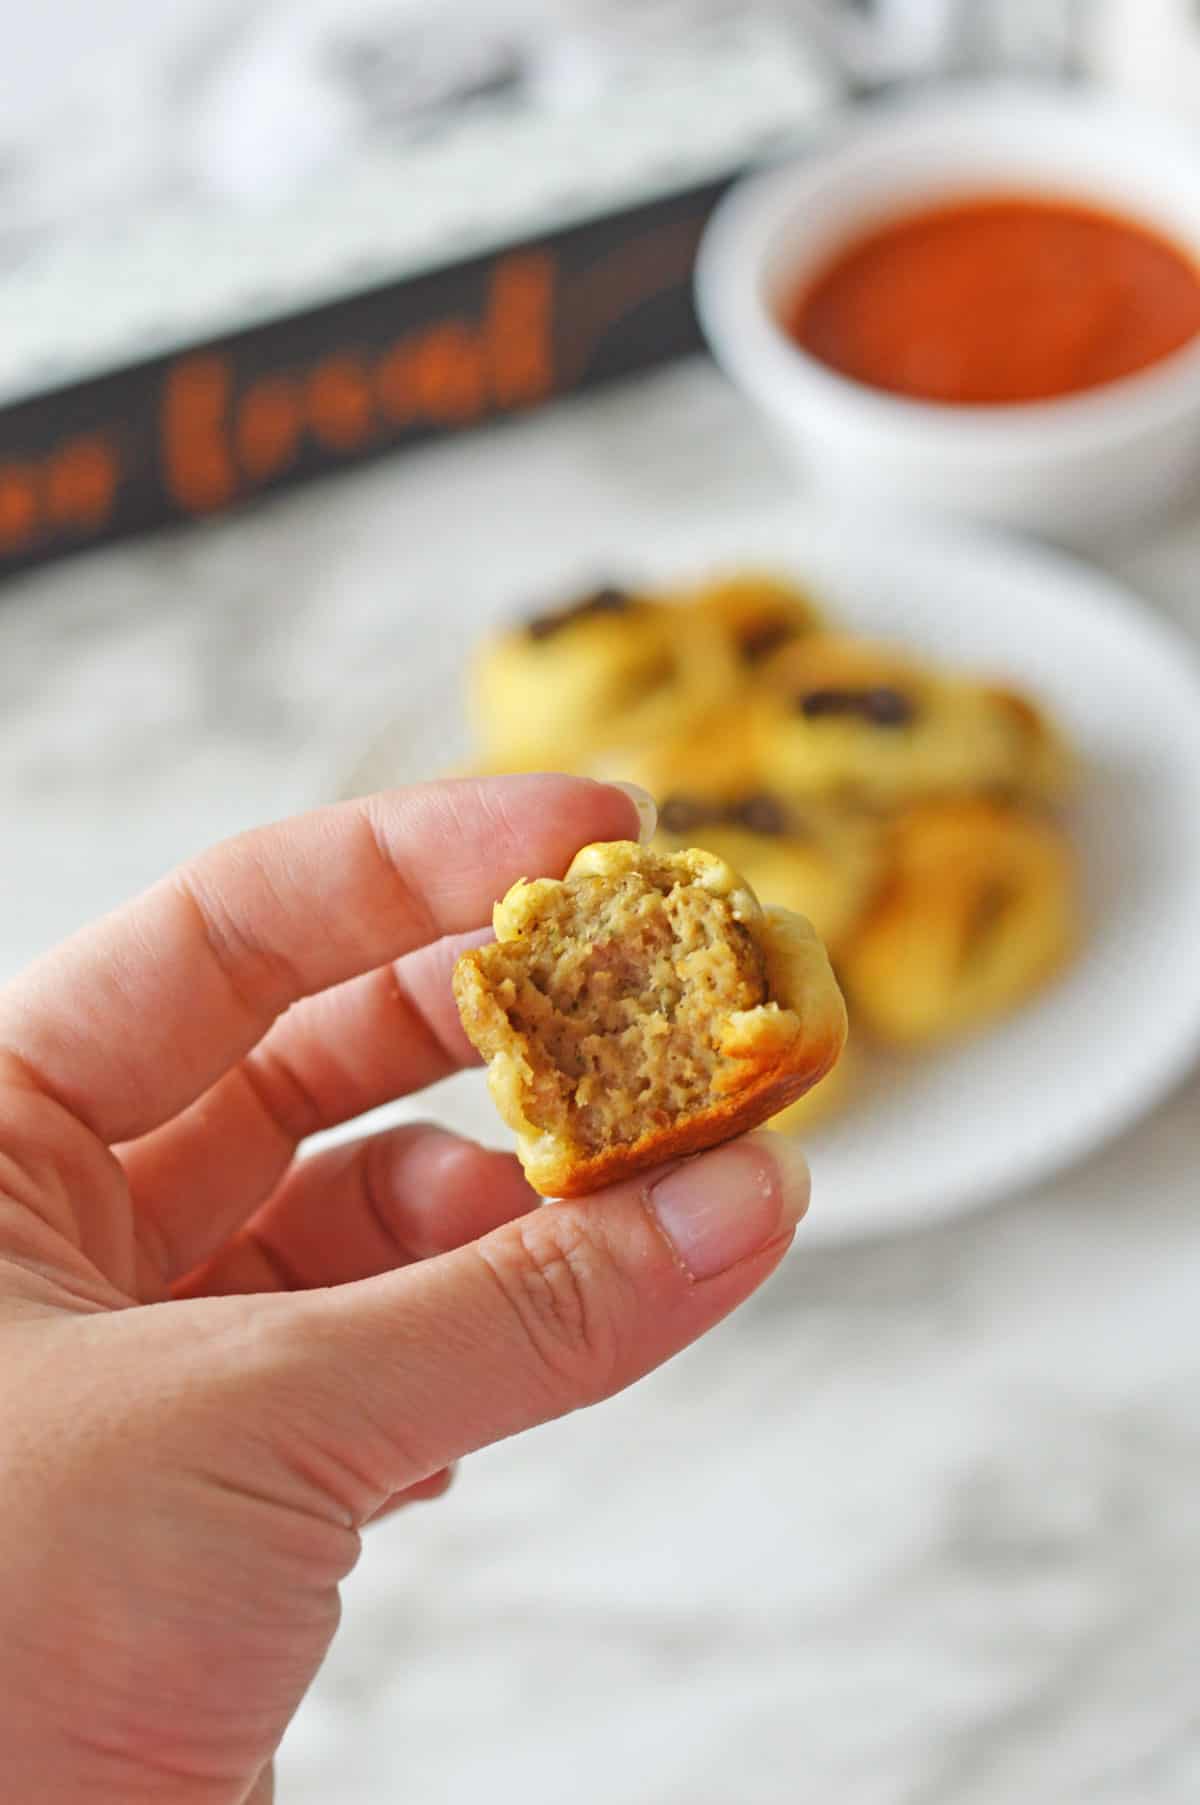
{"x":919,"y":1528}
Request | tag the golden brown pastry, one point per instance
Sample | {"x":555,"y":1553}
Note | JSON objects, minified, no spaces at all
{"x":644,"y":1007}
{"x":1045,"y":766}
{"x":979,"y":909}
{"x":713,"y":755}
{"x":757,"y":615}
{"x":848,"y":719}
{"x":613,"y":666}
{"x":825,"y":1100}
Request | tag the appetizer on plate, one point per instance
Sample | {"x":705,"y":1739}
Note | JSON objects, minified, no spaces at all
{"x":913,"y":813}
{"x":977,"y":911}
{"x":611,"y":666}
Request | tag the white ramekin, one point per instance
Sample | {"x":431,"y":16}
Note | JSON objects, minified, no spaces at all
{"x":1076,"y":469}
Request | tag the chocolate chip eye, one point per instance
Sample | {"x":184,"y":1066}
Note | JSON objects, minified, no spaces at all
{"x":880,"y":707}
{"x":543,"y":625}
{"x":991,"y":907}
{"x":760,"y":814}
{"x":760,"y":638}
{"x":887,"y":708}
{"x":609,"y":599}
{"x":683,"y":814}
{"x":815,"y":704}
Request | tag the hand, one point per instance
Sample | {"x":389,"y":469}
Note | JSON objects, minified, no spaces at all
{"x":220,"y":1362}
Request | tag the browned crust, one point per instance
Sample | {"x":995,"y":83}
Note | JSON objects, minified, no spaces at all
{"x":763,"y":1098}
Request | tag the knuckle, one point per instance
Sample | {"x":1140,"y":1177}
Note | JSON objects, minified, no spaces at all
{"x":571,"y":1301}
{"x":257,"y":974}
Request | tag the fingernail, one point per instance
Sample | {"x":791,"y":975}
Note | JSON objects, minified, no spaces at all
{"x":721,"y":1208}
{"x":646,"y":807}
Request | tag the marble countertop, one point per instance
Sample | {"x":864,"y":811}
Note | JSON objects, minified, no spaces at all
{"x":919,"y":1526}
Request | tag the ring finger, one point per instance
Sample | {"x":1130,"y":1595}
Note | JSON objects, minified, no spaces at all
{"x":366,"y":1207}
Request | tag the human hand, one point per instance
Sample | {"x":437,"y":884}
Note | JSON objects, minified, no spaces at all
{"x":220,"y":1362}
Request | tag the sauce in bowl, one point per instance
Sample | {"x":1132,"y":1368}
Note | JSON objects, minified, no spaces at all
{"x":999,"y":299}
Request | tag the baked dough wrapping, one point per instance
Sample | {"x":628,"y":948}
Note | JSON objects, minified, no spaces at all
{"x":757,"y":615}
{"x":854,"y":722}
{"x":612,"y":667}
{"x":978,"y":910}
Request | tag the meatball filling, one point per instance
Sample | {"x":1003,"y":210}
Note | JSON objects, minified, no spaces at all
{"x":618,"y":996}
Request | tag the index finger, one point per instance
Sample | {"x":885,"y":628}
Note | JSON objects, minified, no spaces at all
{"x":132,"y":1019}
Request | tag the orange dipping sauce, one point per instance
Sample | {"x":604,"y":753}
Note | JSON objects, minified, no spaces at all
{"x":999,"y":299}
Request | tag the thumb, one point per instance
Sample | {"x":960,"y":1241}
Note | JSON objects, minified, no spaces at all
{"x":386,"y":1381}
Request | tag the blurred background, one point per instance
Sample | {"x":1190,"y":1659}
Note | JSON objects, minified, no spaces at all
{"x":335,"y":338}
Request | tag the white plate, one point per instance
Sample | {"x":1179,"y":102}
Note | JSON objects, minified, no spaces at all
{"x":946,"y":1132}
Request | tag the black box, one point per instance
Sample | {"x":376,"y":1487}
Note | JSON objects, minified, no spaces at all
{"x":285,"y":366}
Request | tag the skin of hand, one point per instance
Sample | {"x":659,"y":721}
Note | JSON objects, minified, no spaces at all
{"x":221,"y":1361}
